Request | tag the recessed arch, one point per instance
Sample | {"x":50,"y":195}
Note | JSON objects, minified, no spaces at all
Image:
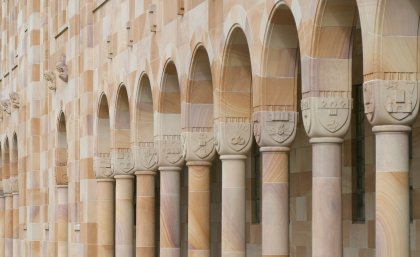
{"x":61,"y":143}
{"x":280,"y":69}
{"x":122,"y":119}
{"x":103,"y":127}
{"x":6,"y":159}
{"x":169,"y":104}
{"x":144,"y":111}
{"x":14,"y":157}
{"x":199,"y":95}
{"x":235,"y":92}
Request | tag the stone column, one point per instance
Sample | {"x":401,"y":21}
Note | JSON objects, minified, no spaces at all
{"x":274,"y":131}
{"x":233,"y":142}
{"x":199,"y":150}
{"x":122,"y":166}
{"x":2,"y":224}
{"x":105,"y":205}
{"x":15,"y":199}
{"x":145,"y":159}
{"x":61,"y":211}
{"x":8,"y":218}
{"x":391,"y":107}
{"x":170,"y":162}
{"x":326,"y":121}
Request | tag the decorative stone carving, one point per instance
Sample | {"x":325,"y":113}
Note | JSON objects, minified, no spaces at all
{"x":391,"y":102}
{"x":198,"y":146}
{"x":14,"y":99}
{"x":5,"y":105}
{"x":170,"y":150}
{"x":61,"y":177}
{"x":145,"y":156}
{"x":122,"y":161}
{"x":102,"y":165}
{"x":61,"y":68}
{"x":49,"y":76}
{"x":7,"y":189}
{"x":14,"y":184}
{"x":274,"y":128}
{"x":233,"y":138}
{"x":326,"y":116}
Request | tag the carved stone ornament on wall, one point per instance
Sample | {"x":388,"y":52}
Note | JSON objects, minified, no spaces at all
{"x":102,"y":165}
{"x":49,"y":76}
{"x":61,"y":67}
{"x":14,"y":184}
{"x":233,"y":138}
{"x":274,"y":128}
{"x":389,"y":102}
{"x":326,"y":116}
{"x":5,"y":105}
{"x":145,"y":156}
{"x":198,"y":146}
{"x":170,"y":150}
{"x":7,"y":189}
{"x":61,"y":177}
{"x":122,"y":161}
{"x":14,"y":99}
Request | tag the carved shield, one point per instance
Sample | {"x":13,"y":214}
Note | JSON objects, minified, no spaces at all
{"x":202,"y":144}
{"x":401,"y":99}
{"x":102,"y":164}
{"x":239,"y":135}
{"x":123,"y":160}
{"x":333,"y":113}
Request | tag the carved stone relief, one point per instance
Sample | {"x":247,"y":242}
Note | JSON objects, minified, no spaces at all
{"x":61,"y":68}
{"x":5,"y":105}
{"x":102,"y":165}
{"x":7,"y":189}
{"x":49,"y":76}
{"x":61,"y":177}
{"x":326,"y":116}
{"x":145,"y":156}
{"x":198,"y":146}
{"x":233,"y":138}
{"x":274,"y":128}
{"x":390,"y":102}
{"x":122,"y":161}
{"x":170,"y":150}
{"x":14,"y":99}
{"x":14,"y":184}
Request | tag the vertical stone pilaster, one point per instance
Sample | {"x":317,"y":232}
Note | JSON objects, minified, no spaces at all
{"x":8,"y":233}
{"x":61,"y":212}
{"x":15,"y":224}
{"x":105,"y":217}
{"x":2,"y":225}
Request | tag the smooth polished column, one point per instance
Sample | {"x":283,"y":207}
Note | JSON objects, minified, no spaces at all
{"x":233,"y":205}
{"x":105,"y":217}
{"x":8,"y":226}
{"x":327,"y":226}
{"x":145,"y":214}
{"x":170,"y":223}
{"x":275,"y":201}
{"x":15,"y":196}
{"x":124,"y":215}
{"x":61,"y":212}
{"x":2,"y":225}
{"x":199,"y":208}
{"x":392,"y":217}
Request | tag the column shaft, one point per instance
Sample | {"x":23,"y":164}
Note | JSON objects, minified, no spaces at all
{"x":233,"y":206}
{"x":105,"y":217}
{"x":145,"y":214}
{"x":326,"y":198}
{"x":15,"y":196}
{"x":170,"y":224}
{"x":124,"y":215}
{"x":8,"y":226}
{"x":199,"y":208}
{"x":2,"y":225}
{"x":61,"y":230}
{"x":275,"y":201}
{"x":392,"y":191}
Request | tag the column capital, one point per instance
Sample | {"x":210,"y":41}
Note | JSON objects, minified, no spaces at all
{"x":102,"y":166}
{"x":274,"y":128}
{"x":14,"y":184}
{"x":233,"y":138}
{"x":61,"y":177}
{"x":326,"y":116}
{"x":169,"y":150}
{"x":391,"y":102}
{"x":198,"y":146}
{"x":7,"y":189}
{"x":145,"y":156}
{"x":122,"y":161}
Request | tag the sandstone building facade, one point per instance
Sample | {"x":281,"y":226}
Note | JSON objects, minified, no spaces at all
{"x":222,"y":128}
